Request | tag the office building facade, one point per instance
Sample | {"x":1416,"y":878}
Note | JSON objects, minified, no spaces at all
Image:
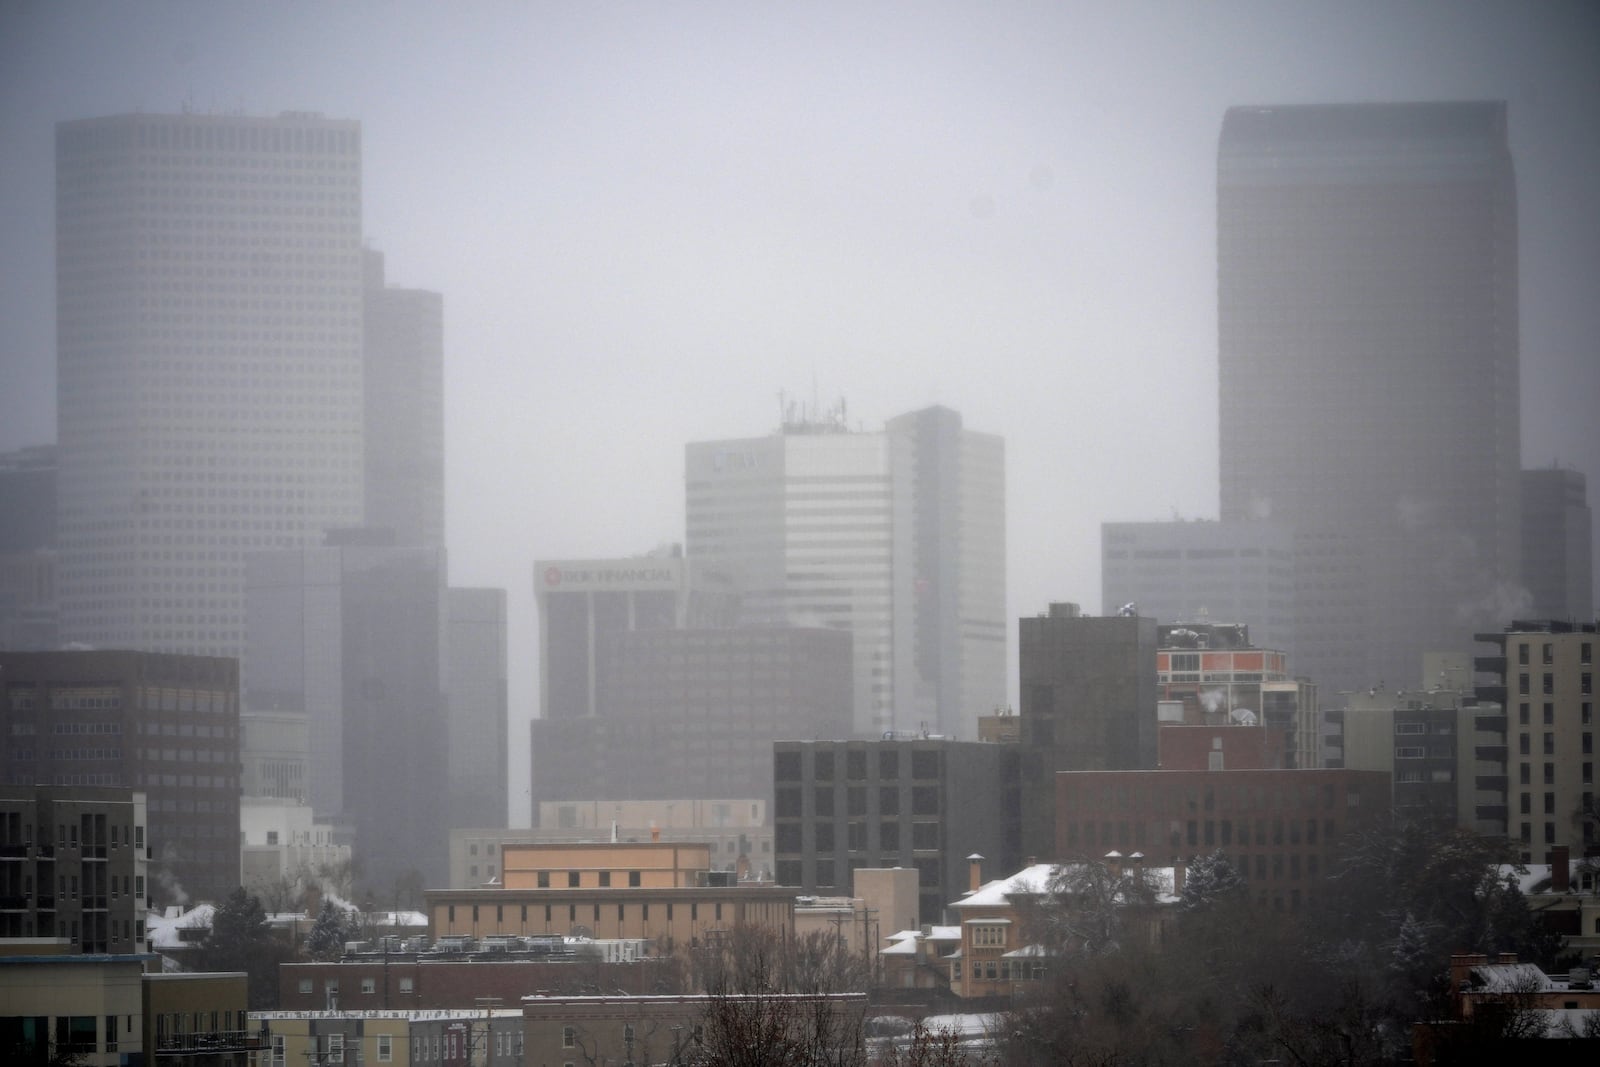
{"x":1200,"y":571}
{"x":694,"y":706}
{"x":210,"y":347}
{"x":163,"y":725}
{"x":839,"y":807}
{"x":897,"y":537}
{"x":1367,"y":316}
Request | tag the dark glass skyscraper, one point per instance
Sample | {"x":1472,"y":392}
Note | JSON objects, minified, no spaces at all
{"x":1367,"y":316}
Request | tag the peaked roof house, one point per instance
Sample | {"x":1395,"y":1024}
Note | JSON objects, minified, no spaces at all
{"x":1012,"y":927}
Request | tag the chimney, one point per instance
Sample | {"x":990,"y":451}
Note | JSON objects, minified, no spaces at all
{"x":974,"y":872}
{"x":1114,"y":862}
{"x":1508,"y":958}
{"x":655,"y":833}
{"x":1560,"y":869}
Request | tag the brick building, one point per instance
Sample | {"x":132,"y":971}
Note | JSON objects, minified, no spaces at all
{"x":1281,"y":828}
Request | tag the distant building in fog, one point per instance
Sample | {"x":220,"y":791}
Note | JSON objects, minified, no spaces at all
{"x":209,"y":344}
{"x":1199,"y":571}
{"x":701,"y":708}
{"x":28,"y":614}
{"x":582,"y":603}
{"x":403,"y":368}
{"x":1367,"y":337}
{"x":475,"y":691}
{"x":1557,"y":545}
{"x":897,"y":537}
{"x":353,"y":636}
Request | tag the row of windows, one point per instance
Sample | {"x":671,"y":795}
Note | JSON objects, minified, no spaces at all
{"x":1258,"y":833}
{"x":572,"y":912}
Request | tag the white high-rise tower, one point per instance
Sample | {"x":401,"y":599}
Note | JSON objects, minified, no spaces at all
{"x":897,"y":536}
{"x":209,"y":312}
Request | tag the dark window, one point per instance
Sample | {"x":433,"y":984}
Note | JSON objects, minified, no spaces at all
{"x":855,"y":764}
{"x":822,"y":798}
{"x":825,"y":872}
{"x":605,"y":879}
{"x":856,"y":836}
{"x":924,"y":764}
{"x":856,"y":800}
{"x":786,"y":766}
{"x":824,"y":832}
{"x":924,"y":835}
{"x":787,"y":836}
{"x":572,"y":879}
{"x":633,"y":879}
{"x":787,"y":872}
{"x":888,"y":800}
{"x":888,"y":763}
{"x":889,"y":837}
{"x":925,"y":800}
{"x":822,"y":766}
{"x":786,"y":802}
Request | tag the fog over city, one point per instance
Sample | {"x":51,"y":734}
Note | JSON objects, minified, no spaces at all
{"x":649,"y":222}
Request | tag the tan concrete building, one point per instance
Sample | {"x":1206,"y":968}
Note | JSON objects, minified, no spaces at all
{"x":651,"y":890}
{"x":1546,"y":672}
{"x":102,"y":1009}
{"x":737,"y":830}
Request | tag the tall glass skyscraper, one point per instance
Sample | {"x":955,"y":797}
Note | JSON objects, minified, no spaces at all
{"x":1367,"y":286}
{"x":209,"y":333}
{"x":897,"y":536}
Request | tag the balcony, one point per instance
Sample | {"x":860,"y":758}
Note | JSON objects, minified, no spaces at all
{"x":13,"y":852}
{"x":1492,"y":783}
{"x":1495,"y":665}
{"x":1491,"y":753}
{"x":1491,"y":722}
{"x":13,"y":903}
{"x":188,"y":1045}
{"x":1492,"y":812}
{"x":1493,"y":694}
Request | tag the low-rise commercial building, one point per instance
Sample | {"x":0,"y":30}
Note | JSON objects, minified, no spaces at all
{"x":1280,"y":828}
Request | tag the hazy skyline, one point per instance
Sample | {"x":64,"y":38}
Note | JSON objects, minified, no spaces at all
{"x":646,"y":221}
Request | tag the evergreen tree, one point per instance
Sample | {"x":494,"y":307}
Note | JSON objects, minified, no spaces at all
{"x":241,"y":940}
{"x":1211,"y":878}
{"x":329,"y":933}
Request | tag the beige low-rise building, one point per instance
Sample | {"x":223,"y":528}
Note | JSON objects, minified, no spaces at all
{"x":658,"y":890}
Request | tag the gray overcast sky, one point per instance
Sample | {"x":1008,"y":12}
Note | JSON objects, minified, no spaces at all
{"x":647,"y":219}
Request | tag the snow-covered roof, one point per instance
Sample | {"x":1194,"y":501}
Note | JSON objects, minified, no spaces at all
{"x":998,"y":893}
{"x":1033,"y":881}
{"x":1025,"y":951}
{"x":974,"y":1024}
{"x":1510,"y":977}
{"x":904,"y":947}
{"x":162,"y":928}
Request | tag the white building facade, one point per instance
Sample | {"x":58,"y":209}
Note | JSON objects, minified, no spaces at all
{"x":896,"y":536}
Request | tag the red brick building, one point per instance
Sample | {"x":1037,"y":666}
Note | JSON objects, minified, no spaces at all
{"x":1281,"y":828}
{"x":1220,"y":748}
